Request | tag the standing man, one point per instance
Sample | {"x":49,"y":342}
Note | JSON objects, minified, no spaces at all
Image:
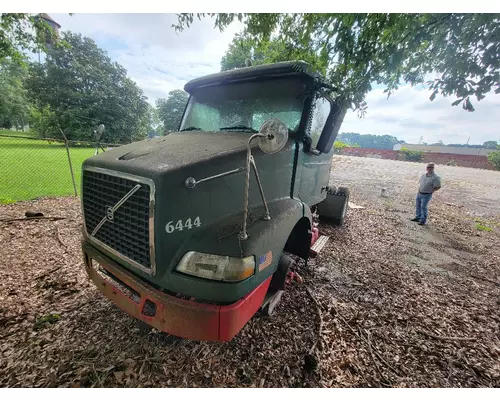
{"x":429,"y":183}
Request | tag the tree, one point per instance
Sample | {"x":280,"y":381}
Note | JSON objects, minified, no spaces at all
{"x":490,"y":144}
{"x":356,"y":50}
{"x":240,"y":50}
{"x":369,"y":141}
{"x":14,"y":104}
{"x":244,"y":49}
{"x":79,"y":88}
{"x":494,"y":158}
{"x":154,"y":123}
{"x":18,"y":32}
{"x":473,"y":146}
{"x":170,"y":110}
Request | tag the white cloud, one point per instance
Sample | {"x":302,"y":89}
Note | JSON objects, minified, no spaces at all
{"x":409,"y":114}
{"x":160,"y":60}
{"x":154,"y":55}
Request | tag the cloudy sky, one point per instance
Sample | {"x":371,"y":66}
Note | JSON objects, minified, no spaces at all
{"x":160,"y":60}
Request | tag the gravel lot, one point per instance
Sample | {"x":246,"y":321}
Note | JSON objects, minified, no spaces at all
{"x":387,"y":302}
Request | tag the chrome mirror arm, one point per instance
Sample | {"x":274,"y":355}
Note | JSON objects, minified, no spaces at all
{"x":243,"y":235}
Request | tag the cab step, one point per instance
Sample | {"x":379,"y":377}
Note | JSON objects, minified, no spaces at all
{"x":318,"y":245}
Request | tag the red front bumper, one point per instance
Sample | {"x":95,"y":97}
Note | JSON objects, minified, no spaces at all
{"x":179,"y":317}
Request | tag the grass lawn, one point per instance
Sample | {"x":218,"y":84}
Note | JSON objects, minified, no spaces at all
{"x":35,"y":168}
{"x":6,"y":132}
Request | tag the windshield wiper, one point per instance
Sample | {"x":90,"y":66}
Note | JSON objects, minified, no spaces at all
{"x":191,"y":128}
{"x":239,"y":127}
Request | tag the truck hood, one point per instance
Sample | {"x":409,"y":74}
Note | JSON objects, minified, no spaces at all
{"x":175,"y":151}
{"x":208,"y":217}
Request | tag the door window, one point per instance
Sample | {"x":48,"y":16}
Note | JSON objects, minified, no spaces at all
{"x":321,"y":111}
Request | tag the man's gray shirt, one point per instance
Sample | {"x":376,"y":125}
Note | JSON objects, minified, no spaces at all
{"x":429,"y":182}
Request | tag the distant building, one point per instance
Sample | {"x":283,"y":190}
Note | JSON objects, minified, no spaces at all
{"x":472,"y":151}
{"x":47,"y":18}
{"x":49,"y":40}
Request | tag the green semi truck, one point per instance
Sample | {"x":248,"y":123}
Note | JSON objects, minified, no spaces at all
{"x":193,"y":232}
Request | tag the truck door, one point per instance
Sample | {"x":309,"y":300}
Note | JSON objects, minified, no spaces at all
{"x":313,"y":169}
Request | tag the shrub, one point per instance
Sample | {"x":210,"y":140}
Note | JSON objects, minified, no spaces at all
{"x":409,"y":155}
{"x":494,"y":158}
{"x":339,"y":146}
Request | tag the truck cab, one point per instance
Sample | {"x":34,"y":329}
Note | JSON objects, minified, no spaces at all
{"x":192,"y":232}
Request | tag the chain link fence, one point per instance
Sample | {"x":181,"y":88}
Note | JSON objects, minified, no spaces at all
{"x":31,"y":167}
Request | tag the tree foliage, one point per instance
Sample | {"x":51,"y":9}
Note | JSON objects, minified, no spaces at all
{"x":44,"y":121}
{"x":244,"y":48}
{"x":155,"y":125}
{"x":20,"y":32}
{"x":473,"y":146}
{"x":356,"y":50}
{"x":338,"y":146}
{"x":241,"y":50}
{"x":409,"y":155}
{"x":494,"y":158}
{"x":490,"y":144}
{"x":14,"y":104}
{"x":170,"y":110}
{"x":386,"y":142}
{"x":79,"y":87}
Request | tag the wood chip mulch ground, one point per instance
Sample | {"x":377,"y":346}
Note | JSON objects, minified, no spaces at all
{"x":365,"y":314}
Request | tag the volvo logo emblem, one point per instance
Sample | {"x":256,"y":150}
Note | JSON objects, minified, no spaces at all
{"x":110,"y":213}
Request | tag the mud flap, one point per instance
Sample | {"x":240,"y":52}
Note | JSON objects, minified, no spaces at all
{"x":334,"y":208}
{"x":277,"y":286}
{"x":268,"y":309}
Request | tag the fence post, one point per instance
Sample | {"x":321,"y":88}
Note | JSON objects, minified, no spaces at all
{"x":69,"y":160}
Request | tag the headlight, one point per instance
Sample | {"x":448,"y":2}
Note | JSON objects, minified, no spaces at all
{"x":219,"y":268}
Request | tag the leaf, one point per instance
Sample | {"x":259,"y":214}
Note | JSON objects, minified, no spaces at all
{"x":119,"y":375}
{"x":457,"y":102}
{"x":468,"y":105}
{"x":46,"y":319}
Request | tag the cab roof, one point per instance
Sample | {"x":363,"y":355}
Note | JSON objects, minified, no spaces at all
{"x":281,"y":69}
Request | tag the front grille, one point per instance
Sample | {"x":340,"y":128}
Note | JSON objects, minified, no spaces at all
{"x":128,"y":232}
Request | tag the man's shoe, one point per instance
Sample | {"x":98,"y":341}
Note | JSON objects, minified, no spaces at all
{"x":421,"y":223}
{"x":415,"y":220}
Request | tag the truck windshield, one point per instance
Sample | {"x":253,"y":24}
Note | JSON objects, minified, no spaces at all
{"x":245,"y":106}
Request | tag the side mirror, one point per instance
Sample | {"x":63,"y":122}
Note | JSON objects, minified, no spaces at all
{"x":274,"y":136}
{"x":330,"y":130}
{"x":99,"y":132}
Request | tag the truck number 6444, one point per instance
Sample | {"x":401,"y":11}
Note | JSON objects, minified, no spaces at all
{"x":180,"y":225}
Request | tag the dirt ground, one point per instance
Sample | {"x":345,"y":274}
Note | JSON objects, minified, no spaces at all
{"x":386,"y":303}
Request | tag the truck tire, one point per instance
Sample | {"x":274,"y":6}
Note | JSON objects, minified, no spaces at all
{"x":334,"y":208}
